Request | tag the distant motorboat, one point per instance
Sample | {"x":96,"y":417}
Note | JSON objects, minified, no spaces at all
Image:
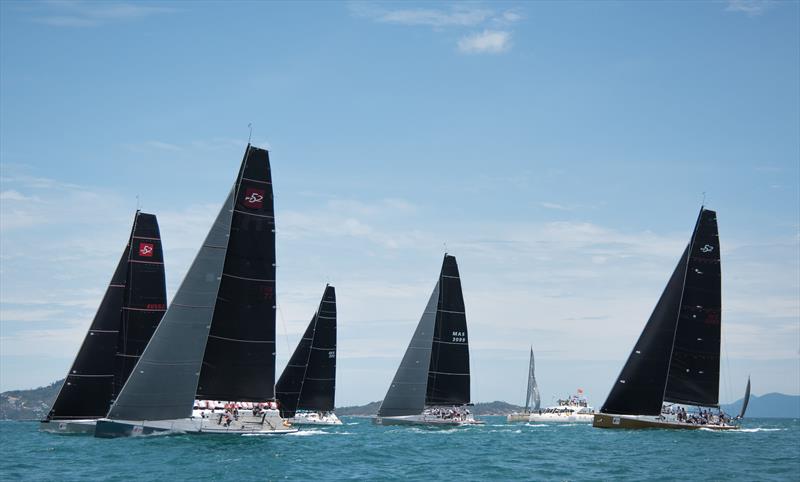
{"x":432,"y":383}
{"x":574,"y":409}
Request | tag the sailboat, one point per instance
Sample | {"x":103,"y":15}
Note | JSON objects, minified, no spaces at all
{"x":210,"y":365}
{"x":675,"y":362}
{"x":129,"y":312}
{"x":307,"y":387}
{"x":532,"y":394}
{"x":432,"y":384}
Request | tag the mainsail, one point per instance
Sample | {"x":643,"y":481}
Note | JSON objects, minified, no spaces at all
{"x":239,"y":360}
{"x":435,"y":367}
{"x":164,"y":383}
{"x":131,"y":308}
{"x":533,"y":389}
{"x":694,"y":367}
{"x":448,"y":376}
{"x":677,"y":355}
{"x":309,"y":380}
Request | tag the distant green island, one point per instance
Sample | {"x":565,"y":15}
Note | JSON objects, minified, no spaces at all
{"x":34,"y":404}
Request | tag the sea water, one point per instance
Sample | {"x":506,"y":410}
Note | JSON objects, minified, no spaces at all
{"x":766,"y":449}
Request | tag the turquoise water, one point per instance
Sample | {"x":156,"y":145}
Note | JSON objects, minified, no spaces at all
{"x":767,"y":449}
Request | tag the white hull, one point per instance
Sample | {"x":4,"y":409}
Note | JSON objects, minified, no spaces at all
{"x":267,"y":423}
{"x":561,"y":418}
{"x":315,"y":418}
{"x":518,"y":417}
{"x":74,"y":427}
{"x":427,"y":420}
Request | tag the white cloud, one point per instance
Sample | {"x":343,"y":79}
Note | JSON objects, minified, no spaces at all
{"x":749,"y":7}
{"x":76,"y":13}
{"x":458,"y":16}
{"x":12,"y":195}
{"x":555,"y":206}
{"x":488,"y":41}
{"x":435,"y":18}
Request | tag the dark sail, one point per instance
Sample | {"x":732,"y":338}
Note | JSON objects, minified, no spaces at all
{"x":639,"y":389}
{"x":309,"y":380}
{"x":163,"y":384}
{"x":94,"y":377}
{"x":694,"y":368}
{"x":745,"y":400}
{"x":145,"y":299}
{"x":239,"y":360}
{"x":448,"y":375}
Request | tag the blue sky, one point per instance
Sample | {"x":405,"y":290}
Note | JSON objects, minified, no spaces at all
{"x":559,"y":150}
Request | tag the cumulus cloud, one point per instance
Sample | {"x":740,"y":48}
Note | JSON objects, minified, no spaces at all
{"x":486,"y":42}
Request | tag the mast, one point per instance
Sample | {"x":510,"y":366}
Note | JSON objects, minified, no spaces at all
{"x":96,"y":376}
{"x":449,"y":374}
{"x":239,"y":359}
{"x":309,"y":380}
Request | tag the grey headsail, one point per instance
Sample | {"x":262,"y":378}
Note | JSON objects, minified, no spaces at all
{"x":533,"y":389}
{"x":406,"y":394}
{"x":163,"y":383}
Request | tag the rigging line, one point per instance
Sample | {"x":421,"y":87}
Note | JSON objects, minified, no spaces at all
{"x":285,"y":333}
{"x":250,"y":137}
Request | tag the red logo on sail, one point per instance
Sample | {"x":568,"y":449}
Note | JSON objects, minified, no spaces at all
{"x":146,"y":249}
{"x":254,"y":198}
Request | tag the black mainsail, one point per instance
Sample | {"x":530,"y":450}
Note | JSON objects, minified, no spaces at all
{"x":677,"y":355}
{"x":694,"y":367}
{"x":435,"y":367}
{"x":228,"y":296}
{"x":448,"y":375}
{"x":309,"y":380}
{"x":239,"y":360}
{"x":128,"y":315}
